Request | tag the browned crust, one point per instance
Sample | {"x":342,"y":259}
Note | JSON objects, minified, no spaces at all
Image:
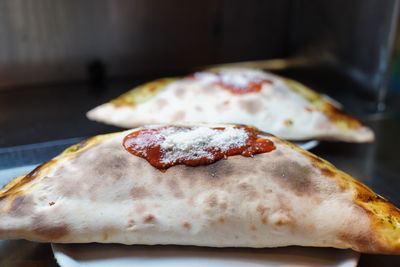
{"x":19,"y":186}
{"x":14,"y":188}
{"x":384,"y":217}
{"x":336,"y":115}
{"x":141,"y":93}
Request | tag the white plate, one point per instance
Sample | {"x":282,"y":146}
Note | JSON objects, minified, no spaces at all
{"x":307,"y":145}
{"x":104,"y":255}
{"x":7,"y":175}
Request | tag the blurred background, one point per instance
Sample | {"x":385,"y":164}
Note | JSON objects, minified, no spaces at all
{"x":60,"y":58}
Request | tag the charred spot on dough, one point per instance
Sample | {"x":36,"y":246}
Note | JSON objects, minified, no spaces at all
{"x":223,"y":206}
{"x":174,"y":187}
{"x":316,"y":161}
{"x":28,"y":178}
{"x":3,"y":198}
{"x":293,"y":176}
{"x":161,"y":103}
{"x":221,"y":219}
{"x":210,"y":89}
{"x":361,"y":241}
{"x":337,"y":115}
{"x":283,"y":215}
{"x":198,"y":108}
{"x":52,"y":232}
{"x":368,"y":200}
{"x":288,"y":122}
{"x":218,"y":174}
{"x":139,"y":192}
{"x":248,"y":190}
{"x":215,"y":172}
{"x":16,"y":203}
{"x":105,"y":236}
{"x":140,"y":208}
{"x":149,"y":218}
{"x":222,"y":106}
{"x":180,"y":93}
{"x":140,"y":165}
{"x":107,"y":232}
{"x":283,"y":222}
{"x":112,"y":166}
{"x":49,"y":231}
{"x":253,"y":228}
{"x":264,"y":220}
{"x":261,"y":209}
{"x":178,"y":116}
{"x":284,"y":206}
{"x":131,"y":223}
{"x":79,"y":146}
{"x":327,"y":172}
{"x":366,"y":195}
{"x":22,"y":206}
{"x":186,"y":225}
{"x":211,"y":200}
{"x":266,"y":134}
{"x":361,"y":237}
{"x":251,"y":106}
{"x":277,"y":153}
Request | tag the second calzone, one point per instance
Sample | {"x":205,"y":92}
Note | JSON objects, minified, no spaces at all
{"x":271,"y":103}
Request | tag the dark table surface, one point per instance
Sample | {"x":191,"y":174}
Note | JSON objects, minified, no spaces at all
{"x":44,"y":113}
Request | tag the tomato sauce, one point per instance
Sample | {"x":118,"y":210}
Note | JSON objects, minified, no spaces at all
{"x":251,"y":87}
{"x":252,"y":84}
{"x":147,"y":144}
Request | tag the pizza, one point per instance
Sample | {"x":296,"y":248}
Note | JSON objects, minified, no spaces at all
{"x":220,"y":185}
{"x":269,"y":102}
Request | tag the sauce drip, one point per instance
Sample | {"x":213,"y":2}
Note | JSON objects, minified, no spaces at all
{"x":151,"y":144}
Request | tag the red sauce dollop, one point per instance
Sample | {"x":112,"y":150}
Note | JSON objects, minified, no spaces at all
{"x":146,"y":143}
{"x":253,"y":85}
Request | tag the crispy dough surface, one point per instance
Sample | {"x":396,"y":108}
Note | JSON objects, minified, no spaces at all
{"x":286,"y":108}
{"x":98,"y":192}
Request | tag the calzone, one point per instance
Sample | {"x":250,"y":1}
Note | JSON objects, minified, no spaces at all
{"x":205,"y":185}
{"x":272,"y":103}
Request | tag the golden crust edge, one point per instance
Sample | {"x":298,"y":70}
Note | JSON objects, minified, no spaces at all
{"x":22,"y":184}
{"x":335,"y":114}
{"x":384,"y":217}
{"x":142,"y":93}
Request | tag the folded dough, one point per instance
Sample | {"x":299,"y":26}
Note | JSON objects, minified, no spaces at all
{"x":96,"y":191}
{"x":271,"y":103}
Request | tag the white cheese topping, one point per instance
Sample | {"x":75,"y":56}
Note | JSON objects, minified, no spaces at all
{"x":193,"y":143}
{"x":233,"y":77}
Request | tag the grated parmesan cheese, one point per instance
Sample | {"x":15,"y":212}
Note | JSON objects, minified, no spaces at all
{"x":232,"y":77}
{"x":167,"y":146}
{"x":193,"y":143}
